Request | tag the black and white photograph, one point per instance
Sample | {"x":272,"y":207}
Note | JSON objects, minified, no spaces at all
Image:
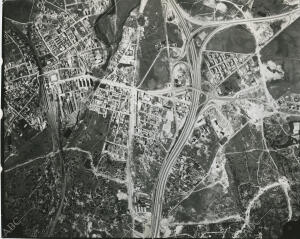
{"x":150,"y":119}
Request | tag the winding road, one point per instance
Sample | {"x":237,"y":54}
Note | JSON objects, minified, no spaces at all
{"x":195,"y":61}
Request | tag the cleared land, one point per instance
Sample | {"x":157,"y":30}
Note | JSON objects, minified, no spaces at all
{"x":285,"y":50}
{"x":18,"y":10}
{"x":235,"y":39}
{"x":264,"y":8}
{"x":154,"y":37}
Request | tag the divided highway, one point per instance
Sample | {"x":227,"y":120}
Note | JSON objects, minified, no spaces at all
{"x":195,"y":61}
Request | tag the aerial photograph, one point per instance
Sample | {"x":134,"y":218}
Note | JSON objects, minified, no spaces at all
{"x":150,"y":119}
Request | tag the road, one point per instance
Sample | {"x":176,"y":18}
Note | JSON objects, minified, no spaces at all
{"x":183,"y":137}
{"x":195,"y":62}
{"x":232,"y":23}
{"x":169,"y":90}
{"x":198,"y":22}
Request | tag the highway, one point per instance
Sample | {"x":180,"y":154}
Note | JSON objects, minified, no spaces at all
{"x":169,"y":162}
{"x":232,"y":23}
{"x":195,"y":61}
{"x":229,"y":22}
{"x":169,"y":90}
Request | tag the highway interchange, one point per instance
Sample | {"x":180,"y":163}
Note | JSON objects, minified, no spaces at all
{"x":195,"y":61}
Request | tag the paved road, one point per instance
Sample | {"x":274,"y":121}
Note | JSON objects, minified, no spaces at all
{"x":195,"y":63}
{"x":183,"y":137}
{"x":241,"y":21}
